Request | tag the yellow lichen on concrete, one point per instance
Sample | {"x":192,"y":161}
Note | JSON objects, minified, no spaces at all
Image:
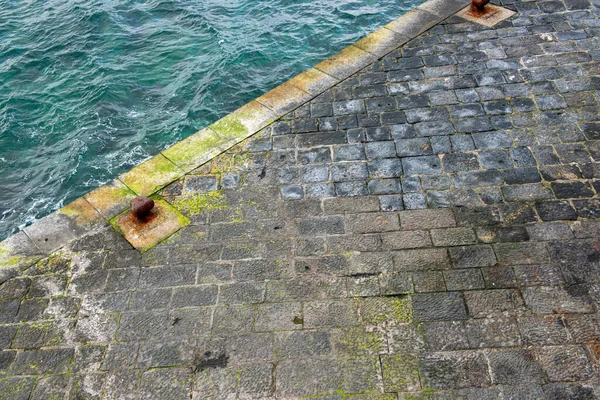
{"x":110,"y":199}
{"x":284,"y":98}
{"x":381,"y":42}
{"x":313,"y":81}
{"x":151,"y":175}
{"x":346,"y":62}
{"x":82,"y":212}
{"x":244,"y":122}
{"x":198,"y":149}
{"x":413,"y":23}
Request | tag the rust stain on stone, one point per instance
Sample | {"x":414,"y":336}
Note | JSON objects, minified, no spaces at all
{"x":144,"y":226}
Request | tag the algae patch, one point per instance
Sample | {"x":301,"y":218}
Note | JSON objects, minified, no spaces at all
{"x":197,"y":203}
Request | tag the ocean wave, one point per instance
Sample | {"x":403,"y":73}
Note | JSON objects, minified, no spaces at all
{"x":89,"y":88}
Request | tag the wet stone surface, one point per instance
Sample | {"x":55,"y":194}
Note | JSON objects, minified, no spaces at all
{"x":426,"y":229}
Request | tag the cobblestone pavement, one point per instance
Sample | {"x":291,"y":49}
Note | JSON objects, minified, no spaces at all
{"x":424,"y":230}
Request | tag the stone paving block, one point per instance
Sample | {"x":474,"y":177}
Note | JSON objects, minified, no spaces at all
{"x":259,"y":270}
{"x":243,"y":347}
{"x":331,"y":313}
{"x":429,"y":281}
{"x":150,"y":299}
{"x":384,"y":186}
{"x":499,"y":277}
{"x":445,"y":335}
{"x":413,"y":147}
{"x":395,"y":284}
{"x":19,"y":388}
{"x":256,"y":380}
{"x":478,"y":178}
{"x":166,"y":383}
{"x":6,"y":359}
{"x":197,"y":149}
{"x":400,"y":372}
{"x":405,"y":240}
{"x":486,"y":303}
{"x":167,"y":276}
{"x":295,"y":378}
{"x":210,"y":383}
{"x":565,"y":363}
{"x":196,"y":296}
{"x":538,"y":275}
{"x":235,"y":318}
{"x":421,"y":260}
{"x":278,"y":317}
{"x":391,"y":309}
{"x":427,"y":219}
{"x":49,"y":234}
{"x":385,"y":168}
{"x":405,"y":339}
{"x":521,"y":253}
{"x":464,"y":279}
{"x":350,"y":341}
{"x":555,"y":211}
{"x":551,"y":300}
{"x":163,"y":355}
{"x":43,"y":361}
{"x":362,"y":286}
{"x":96,"y":328}
{"x":454,"y":370}
{"x":453,"y":236}
{"x":372,"y":222}
{"x":472,"y":256}
{"x":514,"y":366}
{"x":460,"y":162}
{"x":499,"y":234}
{"x":566,"y":391}
{"x":369,"y":263}
{"x":303,"y":343}
{"x":493,"y":332}
{"x":120,"y":356}
{"x":242,"y":292}
{"x":152,"y":175}
{"x":438,"y":307}
{"x":50,"y":387}
{"x":549,"y":231}
{"x":328,"y":265}
{"x":86,"y":385}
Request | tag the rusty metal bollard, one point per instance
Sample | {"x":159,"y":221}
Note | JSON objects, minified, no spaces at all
{"x":141,"y":207}
{"x":478,"y":8}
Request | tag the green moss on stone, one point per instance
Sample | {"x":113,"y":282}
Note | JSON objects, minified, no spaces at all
{"x":198,"y":203}
{"x":230,"y":127}
{"x":379,"y":310}
{"x":7,"y":259}
{"x":400,"y":372}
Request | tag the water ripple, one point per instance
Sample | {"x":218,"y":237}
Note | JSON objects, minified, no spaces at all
{"x":90,"y":88}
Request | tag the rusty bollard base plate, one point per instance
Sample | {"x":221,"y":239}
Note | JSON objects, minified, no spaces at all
{"x":493,"y":16}
{"x":143,"y":235}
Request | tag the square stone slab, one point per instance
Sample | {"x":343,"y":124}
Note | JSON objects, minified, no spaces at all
{"x":494,"y":16}
{"x":164,"y":221}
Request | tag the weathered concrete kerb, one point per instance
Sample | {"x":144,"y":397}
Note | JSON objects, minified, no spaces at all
{"x":414,"y":218}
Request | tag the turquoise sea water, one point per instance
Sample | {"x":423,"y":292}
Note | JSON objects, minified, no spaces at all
{"x":90,"y":88}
